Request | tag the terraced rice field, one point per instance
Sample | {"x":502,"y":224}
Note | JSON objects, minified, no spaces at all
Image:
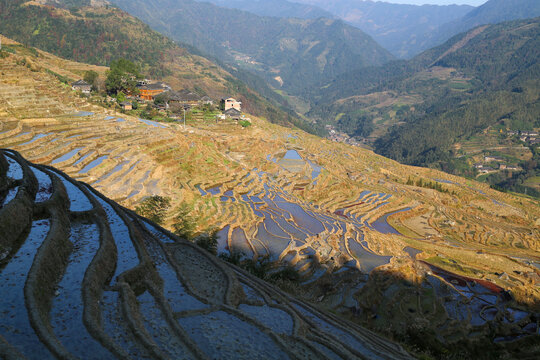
{"x":100,"y":282}
{"x":343,"y":217}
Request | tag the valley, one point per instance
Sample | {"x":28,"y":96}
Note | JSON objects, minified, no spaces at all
{"x":360,"y":230}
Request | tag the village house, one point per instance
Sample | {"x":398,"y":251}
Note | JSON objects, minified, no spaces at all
{"x":126,"y":105}
{"x":206,"y":100}
{"x":233,"y":113}
{"x":81,"y":86}
{"x":486,"y":169}
{"x":488,"y":158}
{"x":230,"y":103}
{"x":150,"y":91}
{"x":185,"y":97}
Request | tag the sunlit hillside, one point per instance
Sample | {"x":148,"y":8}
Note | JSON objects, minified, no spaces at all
{"x":400,"y":249}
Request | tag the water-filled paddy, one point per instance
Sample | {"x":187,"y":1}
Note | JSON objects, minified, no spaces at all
{"x":35,"y":138}
{"x":382,"y":226}
{"x":45,"y":187}
{"x":67,"y":307}
{"x":127,"y":254}
{"x":15,"y":325}
{"x":224,"y":336}
{"x":15,"y":170}
{"x":78,"y":200}
{"x":368,"y":260}
{"x":153,"y":123}
{"x":93,"y":164}
{"x":66,"y":156}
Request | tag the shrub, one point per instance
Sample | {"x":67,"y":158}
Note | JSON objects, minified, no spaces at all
{"x":207,"y":241}
{"x":154,"y":208}
{"x":244,"y":123}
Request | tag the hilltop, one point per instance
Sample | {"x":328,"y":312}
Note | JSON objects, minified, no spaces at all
{"x":405,"y":251}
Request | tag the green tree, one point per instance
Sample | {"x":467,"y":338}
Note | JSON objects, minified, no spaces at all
{"x":122,"y":76}
{"x":208,"y":241}
{"x":184,"y":223}
{"x":91,"y":77}
{"x":154,"y":208}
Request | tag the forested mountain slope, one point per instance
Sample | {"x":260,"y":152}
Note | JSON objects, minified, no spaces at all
{"x":485,"y":77}
{"x":98,"y":33}
{"x":289,"y":53}
{"x":491,"y":12}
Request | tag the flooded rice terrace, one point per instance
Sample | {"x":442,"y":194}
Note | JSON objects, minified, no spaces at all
{"x":297,"y":233}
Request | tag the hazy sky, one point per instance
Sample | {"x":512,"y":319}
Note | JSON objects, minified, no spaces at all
{"x":438,"y":2}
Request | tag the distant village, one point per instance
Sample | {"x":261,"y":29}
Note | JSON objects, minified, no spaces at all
{"x":163,"y":98}
{"x":491,"y":163}
{"x":341,"y":137}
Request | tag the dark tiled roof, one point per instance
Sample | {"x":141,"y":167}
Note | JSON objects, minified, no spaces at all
{"x":183,"y":95}
{"x":152,"y":87}
{"x":232,"y":112}
{"x":80,"y":83}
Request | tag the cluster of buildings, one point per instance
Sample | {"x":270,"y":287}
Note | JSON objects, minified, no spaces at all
{"x":341,"y":137}
{"x":529,"y":137}
{"x":81,"y":86}
{"x":171,"y":100}
{"x":501,"y":165}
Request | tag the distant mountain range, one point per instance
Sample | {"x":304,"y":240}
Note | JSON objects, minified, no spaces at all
{"x":492,"y":12}
{"x":404,"y":30}
{"x":288,"y":53}
{"x":398,"y":28}
{"x":276,"y":8}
